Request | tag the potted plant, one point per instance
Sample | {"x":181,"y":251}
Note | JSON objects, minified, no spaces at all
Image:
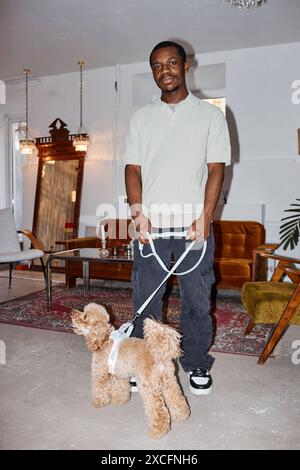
{"x":290,"y":230}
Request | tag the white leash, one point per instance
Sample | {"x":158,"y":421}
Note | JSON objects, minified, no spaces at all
{"x":126,"y":329}
{"x":160,"y":261}
{"x":172,"y":270}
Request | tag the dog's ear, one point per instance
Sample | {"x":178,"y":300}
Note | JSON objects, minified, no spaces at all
{"x":78,"y":323}
{"x":162,"y":340}
{"x":76,"y":313}
{"x":97,"y":311}
{"x":98,"y":335}
{"x":93,"y":340}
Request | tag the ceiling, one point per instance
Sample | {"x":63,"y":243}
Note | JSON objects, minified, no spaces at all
{"x":50,"y":36}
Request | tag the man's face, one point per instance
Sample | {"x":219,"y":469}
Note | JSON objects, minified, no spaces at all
{"x":168,"y":69}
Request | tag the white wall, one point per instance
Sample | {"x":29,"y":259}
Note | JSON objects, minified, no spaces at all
{"x":262,"y":118}
{"x":58,"y":96}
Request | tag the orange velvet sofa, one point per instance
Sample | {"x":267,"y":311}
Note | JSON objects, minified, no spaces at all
{"x":235,"y":241}
{"x":233,"y":262}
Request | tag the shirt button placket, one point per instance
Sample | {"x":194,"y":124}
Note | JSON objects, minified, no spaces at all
{"x":172,"y":121}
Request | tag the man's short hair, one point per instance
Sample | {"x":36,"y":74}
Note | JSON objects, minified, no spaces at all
{"x":163,"y":44}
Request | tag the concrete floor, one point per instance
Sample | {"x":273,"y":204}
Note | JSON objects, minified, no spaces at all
{"x":45,"y":402}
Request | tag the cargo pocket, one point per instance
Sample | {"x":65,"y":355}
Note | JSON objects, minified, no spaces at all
{"x":135,"y":283}
{"x":208,"y":279}
{"x":206,"y":267}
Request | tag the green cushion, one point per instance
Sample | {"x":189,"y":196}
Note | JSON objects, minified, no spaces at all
{"x":266,"y":301}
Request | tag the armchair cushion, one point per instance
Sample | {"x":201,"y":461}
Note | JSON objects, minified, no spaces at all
{"x":20,"y":256}
{"x":274,"y":302}
{"x":265,"y":301}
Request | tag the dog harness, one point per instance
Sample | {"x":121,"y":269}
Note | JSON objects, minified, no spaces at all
{"x":118,"y":336}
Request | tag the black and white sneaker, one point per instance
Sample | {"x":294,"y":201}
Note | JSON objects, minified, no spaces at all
{"x":200,"y":381}
{"x":133,"y":385}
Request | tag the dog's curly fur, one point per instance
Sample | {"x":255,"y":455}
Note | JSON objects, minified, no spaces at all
{"x":150,"y":360}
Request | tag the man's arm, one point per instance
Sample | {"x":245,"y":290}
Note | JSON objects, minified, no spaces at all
{"x":200,"y":228}
{"x":133,"y":182}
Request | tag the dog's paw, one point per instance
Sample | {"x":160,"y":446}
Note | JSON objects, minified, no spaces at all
{"x":100,"y":402}
{"x":158,"y":431}
{"x":120,"y":400}
{"x":181,"y":413}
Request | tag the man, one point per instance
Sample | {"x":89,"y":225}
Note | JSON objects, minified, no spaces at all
{"x":176,"y":149}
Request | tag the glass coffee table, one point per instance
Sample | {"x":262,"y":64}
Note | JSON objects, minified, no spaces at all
{"x":85,"y":255}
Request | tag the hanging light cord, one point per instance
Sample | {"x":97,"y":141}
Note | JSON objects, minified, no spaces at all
{"x":81,"y":63}
{"x":81,"y":140}
{"x":26,"y":72}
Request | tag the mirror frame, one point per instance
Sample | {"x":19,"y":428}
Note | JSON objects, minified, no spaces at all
{"x":58,"y":146}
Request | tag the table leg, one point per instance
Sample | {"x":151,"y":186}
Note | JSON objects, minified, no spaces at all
{"x":49,"y":290}
{"x":86,"y":278}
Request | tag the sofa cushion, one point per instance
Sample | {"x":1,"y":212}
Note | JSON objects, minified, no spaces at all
{"x":233,"y":267}
{"x":237,"y":239}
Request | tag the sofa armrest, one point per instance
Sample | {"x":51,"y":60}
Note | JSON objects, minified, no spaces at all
{"x":267,"y":247}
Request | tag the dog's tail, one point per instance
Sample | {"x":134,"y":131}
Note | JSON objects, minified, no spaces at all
{"x":162,"y":340}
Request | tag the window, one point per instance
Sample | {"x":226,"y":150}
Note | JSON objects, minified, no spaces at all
{"x":219,"y":102}
{"x":16,"y":162}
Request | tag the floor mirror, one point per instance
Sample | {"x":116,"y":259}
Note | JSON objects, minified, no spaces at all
{"x":58,"y":187}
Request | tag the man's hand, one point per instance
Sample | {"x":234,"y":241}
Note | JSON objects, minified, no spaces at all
{"x":200,"y":228}
{"x":142,"y":225}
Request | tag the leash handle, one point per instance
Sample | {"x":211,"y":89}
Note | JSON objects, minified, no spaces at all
{"x":170,"y":272}
{"x":158,"y":258}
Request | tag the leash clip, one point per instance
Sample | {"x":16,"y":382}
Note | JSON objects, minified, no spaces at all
{"x":126,"y":329}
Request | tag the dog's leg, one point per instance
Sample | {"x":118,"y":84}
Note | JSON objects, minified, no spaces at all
{"x":120,"y":391}
{"x":155,"y":408}
{"x":101,"y":389}
{"x":176,"y":402}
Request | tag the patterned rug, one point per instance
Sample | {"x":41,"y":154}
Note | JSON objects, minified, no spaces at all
{"x":229,"y":318}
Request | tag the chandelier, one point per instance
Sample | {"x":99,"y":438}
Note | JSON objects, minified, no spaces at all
{"x":81,"y":140}
{"x":242,"y":4}
{"x":27,"y":145}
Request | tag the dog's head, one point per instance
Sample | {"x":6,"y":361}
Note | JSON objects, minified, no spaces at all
{"x":93,"y":323}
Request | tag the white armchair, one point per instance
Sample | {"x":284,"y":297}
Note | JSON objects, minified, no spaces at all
{"x":10,"y":250}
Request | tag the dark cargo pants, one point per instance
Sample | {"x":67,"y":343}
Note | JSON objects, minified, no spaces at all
{"x":195,"y":287}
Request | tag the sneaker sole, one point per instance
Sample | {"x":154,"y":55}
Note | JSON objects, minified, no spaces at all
{"x":201,"y":391}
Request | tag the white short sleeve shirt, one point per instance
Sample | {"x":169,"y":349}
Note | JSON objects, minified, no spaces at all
{"x":173,"y":146}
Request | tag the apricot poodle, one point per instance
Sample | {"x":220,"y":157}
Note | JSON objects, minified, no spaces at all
{"x":150,"y":360}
